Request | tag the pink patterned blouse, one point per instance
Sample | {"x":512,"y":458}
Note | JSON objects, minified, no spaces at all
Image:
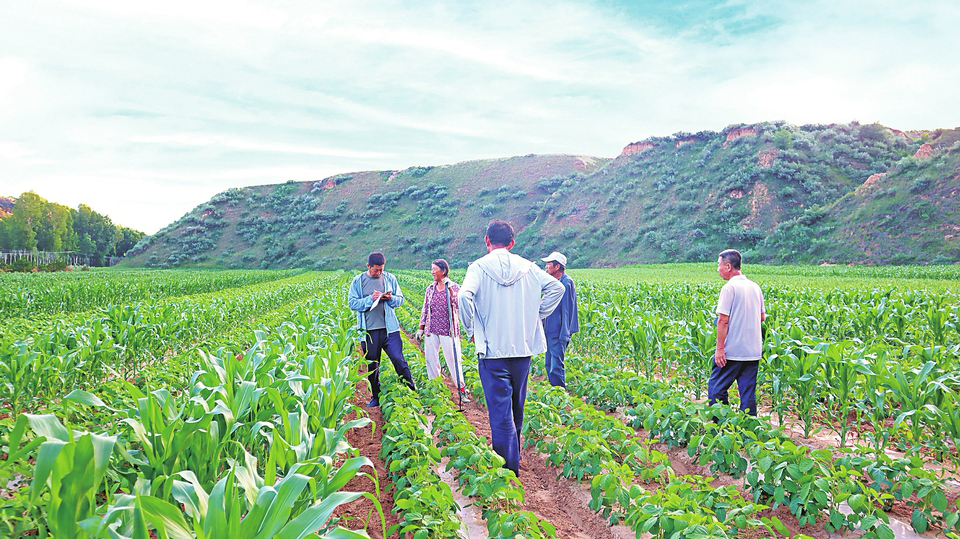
{"x":435,"y":316}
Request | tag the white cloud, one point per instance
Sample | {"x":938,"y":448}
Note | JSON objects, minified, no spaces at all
{"x":235,"y":143}
{"x":13,"y":73}
{"x":171,"y":102}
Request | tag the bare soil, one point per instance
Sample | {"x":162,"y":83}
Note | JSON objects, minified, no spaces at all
{"x":362,"y":512}
{"x":560,"y":501}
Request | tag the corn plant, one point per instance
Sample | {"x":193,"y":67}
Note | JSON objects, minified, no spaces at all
{"x":918,"y":395}
{"x":875,"y":397}
{"x":71,"y":467}
{"x":22,"y":375}
{"x":777,"y":349}
{"x":947,"y":417}
{"x":841,"y":376}
{"x":231,"y":510}
{"x":803,"y":369}
{"x":701,"y":341}
{"x":938,"y":324}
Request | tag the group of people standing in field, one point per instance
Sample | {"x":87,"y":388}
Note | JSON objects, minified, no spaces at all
{"x":512,"y":310}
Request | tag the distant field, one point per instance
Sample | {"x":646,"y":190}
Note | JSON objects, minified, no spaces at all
{"x":229,"y":385}
{"x":940,"y":278}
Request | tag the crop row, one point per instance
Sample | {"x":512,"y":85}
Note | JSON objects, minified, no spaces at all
{"x":30,"y":295}
{"x":254,"y":447}
{"x":478,"y":470}
{"x":41,"y":366}
{"x":775,"y":469}
{"x":585,"y":444}
{"x":828,"y":357}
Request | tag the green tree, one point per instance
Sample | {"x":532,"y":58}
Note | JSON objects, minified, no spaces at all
{"x":99,"y":230}
{"x":783,"y":139}
{"x":87,"y":246}
{"x":55,"y":227}
{"x":26,"y":218}
{"x":129,"y":239}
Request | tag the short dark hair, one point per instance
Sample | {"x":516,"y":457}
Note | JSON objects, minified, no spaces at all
{"x":500,"y":233}
{"x":562,"y":267}
{"x":376,"y":259}
{"x":732,"y":257}
{"x":444,"y":267}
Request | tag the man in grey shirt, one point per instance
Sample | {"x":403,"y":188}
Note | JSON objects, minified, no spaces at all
{"x":740,"y":311}
{"x":374,"y":294}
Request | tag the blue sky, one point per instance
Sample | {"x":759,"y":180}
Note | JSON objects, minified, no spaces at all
{"x":144,"y":110}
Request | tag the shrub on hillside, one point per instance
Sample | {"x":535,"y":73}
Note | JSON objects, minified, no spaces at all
{"x":921,"y":184}
{"x":700,"y":253}
{"x":549,"y":185}
{"x":232,"y":196}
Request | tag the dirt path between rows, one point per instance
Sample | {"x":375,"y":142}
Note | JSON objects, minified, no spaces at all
{"x":561,"y":502}
{"x":367,"y":440}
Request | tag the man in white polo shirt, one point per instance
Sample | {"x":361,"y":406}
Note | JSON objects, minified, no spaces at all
{"x":739,"y":342}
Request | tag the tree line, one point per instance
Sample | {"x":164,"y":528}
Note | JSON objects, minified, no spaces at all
{"x":35,"y":224}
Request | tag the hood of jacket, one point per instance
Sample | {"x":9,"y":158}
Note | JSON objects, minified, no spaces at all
{"x":503,"y":267}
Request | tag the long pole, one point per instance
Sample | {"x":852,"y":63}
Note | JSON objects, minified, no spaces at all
{"x":458,"y":376}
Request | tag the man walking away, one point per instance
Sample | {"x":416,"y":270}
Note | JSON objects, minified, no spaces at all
{"x":374,"y":294}
{"x":502,"y":301}
{"x":560,"y":326}
{"x":740,"y":311}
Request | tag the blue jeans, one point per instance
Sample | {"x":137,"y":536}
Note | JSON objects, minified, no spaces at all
{"x":553,"y":362}
{"x":745,"y":374}
{"x":379,"y":340}
{"x":504,"y":383}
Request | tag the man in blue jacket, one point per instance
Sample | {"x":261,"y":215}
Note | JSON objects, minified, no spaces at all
{"x":374,"y":294}
{"x":560,"y":326}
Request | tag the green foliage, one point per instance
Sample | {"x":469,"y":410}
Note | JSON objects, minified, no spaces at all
{"x":779,"y":193}
{"x":36,"y":224}
{"x":188,"y":463}
{"x":783,"y":139}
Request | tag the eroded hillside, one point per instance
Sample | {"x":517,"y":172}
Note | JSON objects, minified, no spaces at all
{"x":778,"y":192}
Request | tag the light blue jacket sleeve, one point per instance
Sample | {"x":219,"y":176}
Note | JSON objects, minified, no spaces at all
{"x":468,"y":292}
{"x":397,"y":299}
{"x":355,"y":299}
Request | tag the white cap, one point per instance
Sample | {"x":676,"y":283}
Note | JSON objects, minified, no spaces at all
{"x":556,"y":257}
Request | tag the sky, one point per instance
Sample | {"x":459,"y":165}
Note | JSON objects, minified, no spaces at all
{"x":144,"y":110}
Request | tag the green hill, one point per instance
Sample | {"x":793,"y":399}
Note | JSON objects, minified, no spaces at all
{"x":778,"y":192}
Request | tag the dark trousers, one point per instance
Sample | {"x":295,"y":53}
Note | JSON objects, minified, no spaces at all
{"x":745,"y":374}
{"x":379,"y":340}
{"x":504,"y":383}
{"x":556,"y":371}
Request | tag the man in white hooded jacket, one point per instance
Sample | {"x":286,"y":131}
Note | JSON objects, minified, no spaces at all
{"x":502,"y":300}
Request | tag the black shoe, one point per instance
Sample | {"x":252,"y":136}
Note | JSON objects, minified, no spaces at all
{"x":374,"y":403}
